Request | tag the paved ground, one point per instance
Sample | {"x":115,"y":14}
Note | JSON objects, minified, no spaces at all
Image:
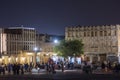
{"x":67,"y":75}
{"x":67,"y":71}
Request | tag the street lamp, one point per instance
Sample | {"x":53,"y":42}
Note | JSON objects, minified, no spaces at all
{"x":35,"y":49}
{"x":55,"y":41}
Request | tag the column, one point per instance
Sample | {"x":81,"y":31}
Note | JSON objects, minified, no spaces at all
{"x":98,"y":57}
{"x":91,"y":58}
{"x":34,"y":59}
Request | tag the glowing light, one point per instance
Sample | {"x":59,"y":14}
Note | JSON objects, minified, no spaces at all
{"x":0,"y":60}
{"x":23,"y":58}
{"x":55,"y":54}
{"x":55,"y":41}
{"x":47,"y":54}
{"x":9,"y":59}
{"x":16,"y":59}
{"x":38,"y":53}
{"x":35,"y":49}
{"x":79,"y":60}
{"x":3,"y":57}
{"x":29,"y":53}
{"x":54,"y":59}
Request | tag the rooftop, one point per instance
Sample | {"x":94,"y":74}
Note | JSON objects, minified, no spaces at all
{"x":21,"y":28}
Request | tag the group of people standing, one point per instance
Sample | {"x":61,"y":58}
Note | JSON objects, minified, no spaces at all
{"x":103,"y":66}
{"x":18,"y":68}
{"x":15,"y":68}
{"x":51,"y":65}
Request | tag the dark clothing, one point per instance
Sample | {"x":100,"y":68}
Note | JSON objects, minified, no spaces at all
{"x":14,"y":69}
{"x":103,"y":66}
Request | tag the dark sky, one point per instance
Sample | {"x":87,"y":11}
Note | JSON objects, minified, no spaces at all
{"x":52,"y":16}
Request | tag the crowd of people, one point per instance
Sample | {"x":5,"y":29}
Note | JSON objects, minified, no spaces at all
{"x":15,"y":68}
{"x":103,"y":66}
{"x":51,"y":66}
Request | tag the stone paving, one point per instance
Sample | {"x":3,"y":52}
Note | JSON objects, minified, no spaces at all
{"x":66,"y":75}
{"x":66,"y":71}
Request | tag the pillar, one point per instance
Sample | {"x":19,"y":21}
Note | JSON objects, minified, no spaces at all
{"x":91,"y":58}
{"x":34,"y":58}
{"x":98,"y":57}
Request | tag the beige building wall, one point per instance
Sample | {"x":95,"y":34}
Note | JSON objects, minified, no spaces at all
{"x":25,"y":40}
{"x":47,"y":50}
{"x":16,"y":42}
{"x":46,"y":46}
{"x":2,"y":41}
{"x":3,"y":47}
{"x":99,"y":41}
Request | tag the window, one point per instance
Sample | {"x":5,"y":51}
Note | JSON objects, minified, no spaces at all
{"x":115,"y":33}
{"x":105,"y":33}
{"x":92,"y":34}
{"x":95,"y":33}
{"x":77,"y":34}
{"x":109,"y":33}
{"x":84,"y":34}
{"x":88,"y":33}
{"x":101,"y":33}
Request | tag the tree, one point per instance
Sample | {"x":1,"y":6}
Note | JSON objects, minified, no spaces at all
{"x":69,"y":48}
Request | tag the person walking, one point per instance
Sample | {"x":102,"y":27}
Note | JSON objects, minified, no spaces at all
{"x":3,"y":68}
{"x":22,"y":69}
{"x":62,"y":66}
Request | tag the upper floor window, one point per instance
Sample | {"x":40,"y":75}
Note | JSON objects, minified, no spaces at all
{"x":101,"y":33}
{"x":84,"y":34}
{"x":88,"y":33}
{"x":115,"y":33}
{"x":95,"y":33}
{"x":109,"y":33}
{"x":105,"y":33}
{"x":92,"y":34}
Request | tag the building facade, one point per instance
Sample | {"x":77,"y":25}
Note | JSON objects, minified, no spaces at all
{"x":15,"y":43}
{"x":46,"y":44}
{"x":2,"y":42}
{"x":25,"y":45}
{"x":100,"y":42}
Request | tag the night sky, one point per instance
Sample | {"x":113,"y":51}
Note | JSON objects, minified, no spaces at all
{"x":52,"y":16}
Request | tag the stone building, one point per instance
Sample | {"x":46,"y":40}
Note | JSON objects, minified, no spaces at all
{"x":15,"y":43}
{"x":100,"y":42}
{"x":25,"y":45}
{"x":46,"y":44}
